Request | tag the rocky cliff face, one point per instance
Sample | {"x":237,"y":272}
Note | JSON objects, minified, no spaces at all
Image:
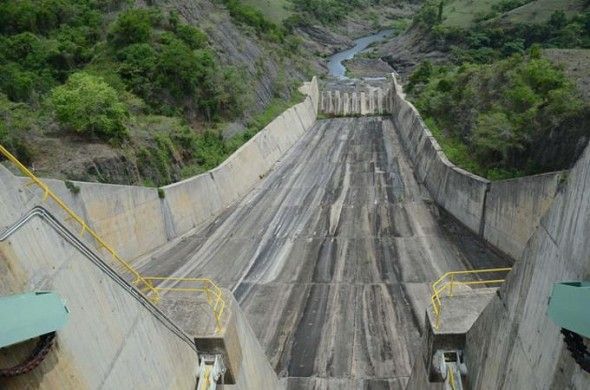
{"x":239,"y":46}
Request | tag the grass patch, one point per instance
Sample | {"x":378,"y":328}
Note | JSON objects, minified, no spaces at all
{"x":540,"y":10}
{"x":400,"y":25}
{"x":274,"y":10}
{"x":72,"y":187}
{"x":465,"y":13}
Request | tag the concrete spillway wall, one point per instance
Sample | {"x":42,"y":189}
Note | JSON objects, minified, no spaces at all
{"x":374,"y":101}
{"x":135,"y":220}
{"x":504,"y":213}
{"x":514,"y":344}
{"x":114,"y":338}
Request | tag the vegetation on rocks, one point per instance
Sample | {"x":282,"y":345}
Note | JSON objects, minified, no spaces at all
{"x":251,"y":16}
{"x":498,"y":108}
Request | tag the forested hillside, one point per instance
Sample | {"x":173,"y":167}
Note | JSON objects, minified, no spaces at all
{"x":150,"y":92}
{"x":498,"y":106}
{"x":115,"y":91}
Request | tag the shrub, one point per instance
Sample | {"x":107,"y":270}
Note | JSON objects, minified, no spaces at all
{"x":16,"y":83}
{"x":420,"y":75}
{"x":191,"y":36}
{"x":558,"y":20}
{"x":513,"y":47}
{"x":88,"y":105}
{"x":430,"y":14}
{"x":138,"y":67}
{"x":541,"y":75}
{"x":495,"y":137}
{"x":179,"y":69}
{"x":72,"y":187}
{"x":133,"y":26}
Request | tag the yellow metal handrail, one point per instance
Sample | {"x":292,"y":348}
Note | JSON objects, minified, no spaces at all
{"x":451,"y":377}
{"x":447,"y":281}
{"x":144,"y":284}
{"x":214,"y":294}
{"x":47,"y":193}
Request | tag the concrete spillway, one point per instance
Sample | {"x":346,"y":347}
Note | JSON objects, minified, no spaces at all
{"x":331,"y":257}
{"x":329,"y":234}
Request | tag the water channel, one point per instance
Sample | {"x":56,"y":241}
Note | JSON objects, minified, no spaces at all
{"x":335,"y":66}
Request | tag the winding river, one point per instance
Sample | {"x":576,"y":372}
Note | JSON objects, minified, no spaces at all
{"x":335,"y":66}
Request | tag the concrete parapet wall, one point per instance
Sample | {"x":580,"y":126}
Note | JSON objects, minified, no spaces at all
{"x":504,"y":213}
{"x":514,"y":344}
{"x":113,"y":339}
{"x":135,"y":220}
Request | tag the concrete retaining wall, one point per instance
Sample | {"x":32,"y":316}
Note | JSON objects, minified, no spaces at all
{"x":504,"y":213}
{"x":514,"y":344}
{"x":255,"y":371}
{"x":113,"y":339}
{"x":513,"y":209}
{"x":135,"y":221}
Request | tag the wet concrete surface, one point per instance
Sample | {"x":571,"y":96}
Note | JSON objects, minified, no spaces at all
{"x":331,"y":257}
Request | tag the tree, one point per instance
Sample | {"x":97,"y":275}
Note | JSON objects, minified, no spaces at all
{"x":441,"y":5}
{"x":495,"y":138}
{"x":558,"y":20}
{"x":420,"y":75}
{"x":88,"y":105}
{"x":133,"y":26}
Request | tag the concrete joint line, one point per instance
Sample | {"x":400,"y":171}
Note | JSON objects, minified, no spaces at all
{"x":118,"y":353}
{"x":553,"y":240}
{"x":482,"y":222}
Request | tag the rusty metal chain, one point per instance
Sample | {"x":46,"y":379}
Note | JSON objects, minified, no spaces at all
{"x":35,"y":358}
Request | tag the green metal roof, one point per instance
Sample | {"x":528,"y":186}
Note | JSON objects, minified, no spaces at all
{"x":29,"y":315}
{"x":569,"y":306}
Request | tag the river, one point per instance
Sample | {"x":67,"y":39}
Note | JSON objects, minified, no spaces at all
{"x":335,"y":66}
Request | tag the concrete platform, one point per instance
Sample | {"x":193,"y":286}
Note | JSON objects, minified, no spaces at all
{"x":460,"y":311}
{"x":246,"y":364}
{"x":449,"y":332}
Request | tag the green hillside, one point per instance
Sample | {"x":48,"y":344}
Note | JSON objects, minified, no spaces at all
{"x":129,"y":94}
{"x":464,"y":13}
{"x":497,"y":107}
